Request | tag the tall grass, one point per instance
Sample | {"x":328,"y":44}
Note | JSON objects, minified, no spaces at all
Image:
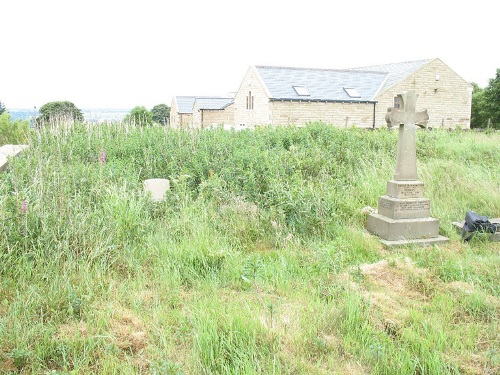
{"x":252,"y":264}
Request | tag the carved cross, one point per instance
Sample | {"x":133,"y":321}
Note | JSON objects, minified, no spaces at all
{"x":406,"y":118}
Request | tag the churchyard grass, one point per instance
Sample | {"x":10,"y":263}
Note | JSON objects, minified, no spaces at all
{"x":256,"y":262}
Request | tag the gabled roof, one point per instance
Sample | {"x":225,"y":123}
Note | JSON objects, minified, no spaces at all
{"x":338,"y":85}
{"x":321,"y":84}
{"x":185,"y":103}
{"x":397,"y":71}
{"x":214,"y":103}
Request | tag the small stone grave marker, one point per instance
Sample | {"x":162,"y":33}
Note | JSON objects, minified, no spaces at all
{"x":157,"y":187}
{"x":7,"y":151}
{"x":403,"y":213}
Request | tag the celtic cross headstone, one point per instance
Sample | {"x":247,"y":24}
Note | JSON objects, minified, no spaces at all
{"x":402,"y":216}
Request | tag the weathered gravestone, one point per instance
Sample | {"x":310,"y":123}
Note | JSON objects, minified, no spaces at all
{"x":7,"y":151}
{"x":403,"y":214}
{"x":157,"y":187}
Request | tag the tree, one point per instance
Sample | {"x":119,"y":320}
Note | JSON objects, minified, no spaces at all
{"x":2,"y":108}
{"x":13,"y":132}
{"x":139,"y":116}
{"x":161,"y":114}
{"x":479,"y":117}
{"x":492,"y":101}
{"x":58,"y":112}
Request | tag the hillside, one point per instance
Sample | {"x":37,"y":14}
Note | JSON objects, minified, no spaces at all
{"x":257,"y":262}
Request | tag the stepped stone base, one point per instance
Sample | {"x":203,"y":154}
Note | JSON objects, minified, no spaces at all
{"x":402,"y":229}
{"x":405,"y":189}
{"x":419,"y":242}
{"x":410,"y":208}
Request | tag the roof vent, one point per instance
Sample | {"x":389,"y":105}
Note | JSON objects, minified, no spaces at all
{"x":352,"y":92}
{"x":301,"y":90}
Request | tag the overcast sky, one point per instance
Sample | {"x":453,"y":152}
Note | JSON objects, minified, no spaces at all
{"x":119,"y":54}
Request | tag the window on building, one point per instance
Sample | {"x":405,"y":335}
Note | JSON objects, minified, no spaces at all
{"x":352,"y":92}
{"x":301,"y":90}
{"x":249,"y":100}
{"x":397,"y":102}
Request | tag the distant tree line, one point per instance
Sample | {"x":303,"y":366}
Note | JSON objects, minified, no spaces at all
{"x":160,"y":114}
{"x":63,"y":111}
{"x":486,"y":104}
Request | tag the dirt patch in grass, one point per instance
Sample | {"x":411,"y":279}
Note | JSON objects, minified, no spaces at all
{"x":72,"y":330}
{"x":129,"y":332}
{"x":393,"y":287}
{"x":7,"y":366}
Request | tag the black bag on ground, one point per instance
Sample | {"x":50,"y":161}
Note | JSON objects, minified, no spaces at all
{"x":476,"y":223}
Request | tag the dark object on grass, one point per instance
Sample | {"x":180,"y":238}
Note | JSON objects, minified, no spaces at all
{"x":477,"y":223}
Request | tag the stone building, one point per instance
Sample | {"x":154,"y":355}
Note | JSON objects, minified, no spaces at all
{"x":181,"y":111}
{"x":209,"y":112}
{"x":358,"y":97}
{"x":201,"y":111}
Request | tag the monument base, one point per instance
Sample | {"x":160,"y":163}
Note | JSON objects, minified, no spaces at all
{"x":405,"y":231}
{"x":419,"y":242}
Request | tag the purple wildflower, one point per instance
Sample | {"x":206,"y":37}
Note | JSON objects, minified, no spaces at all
{"x":102,"y":157}
{"x":24,"y":207}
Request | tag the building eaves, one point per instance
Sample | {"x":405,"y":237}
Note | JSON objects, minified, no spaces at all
{"x":213,"y":103}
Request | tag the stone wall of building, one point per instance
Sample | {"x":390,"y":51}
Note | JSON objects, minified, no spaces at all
{"x":174,"y":114}
{"x":446,"y":96}
{"x":212,"y":117}
{"x":259,"y":114}
{"x":338,"y":114}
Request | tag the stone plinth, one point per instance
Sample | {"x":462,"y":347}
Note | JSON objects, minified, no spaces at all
{"x":157,"y":187}
{"x":405,"y":189}
{"x":396,"y":208}
{"x":403,"y":216}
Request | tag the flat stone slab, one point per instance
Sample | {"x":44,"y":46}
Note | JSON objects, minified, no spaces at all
{"x":7,"y":151}
{"x":491,"y":236}
{"x":12,"y":150}
{"x":423,"y":242}
{"x":157,"y":187}
{"x":3,"y":162}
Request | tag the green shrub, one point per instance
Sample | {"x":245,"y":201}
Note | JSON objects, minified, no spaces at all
{"x":13,"y":132}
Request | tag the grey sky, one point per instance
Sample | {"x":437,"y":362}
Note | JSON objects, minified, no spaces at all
{"x":120,"y":54}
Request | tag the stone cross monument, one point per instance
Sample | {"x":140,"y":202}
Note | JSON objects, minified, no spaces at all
{"x":403,"y":214}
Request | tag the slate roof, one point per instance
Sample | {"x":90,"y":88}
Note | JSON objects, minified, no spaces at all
{"x":185,"y":103}
{"x":321,"y":84}
{"x":214,"y":103}
{"x":397,"y":71}
{"x":333,"y":84}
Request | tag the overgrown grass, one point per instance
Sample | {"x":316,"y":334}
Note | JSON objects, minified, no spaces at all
{"x":255,"y":263}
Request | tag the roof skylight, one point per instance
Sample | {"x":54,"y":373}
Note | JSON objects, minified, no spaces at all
{"x":352,"y":92}
{"x":301,"y":90}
